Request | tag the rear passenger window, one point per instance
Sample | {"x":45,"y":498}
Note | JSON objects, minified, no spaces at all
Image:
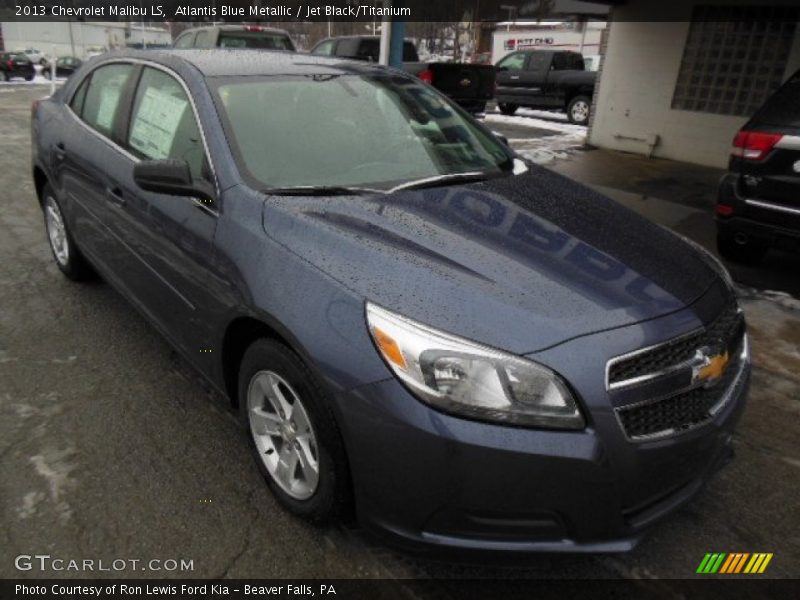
{"x":101,"y":103}
{"x":163,"y":124}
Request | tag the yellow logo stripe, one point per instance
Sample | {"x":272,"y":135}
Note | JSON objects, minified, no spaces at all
{"x":753,"y":564}
{"x":764,"y":564}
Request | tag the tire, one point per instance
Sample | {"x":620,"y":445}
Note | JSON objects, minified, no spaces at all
{"x":578,"y":110}
{"x":749,"y":253}
{"x":29,"y":78}
{"x":66,"y":254}
{"x":507,"y":108}
{"x":304,"y":433}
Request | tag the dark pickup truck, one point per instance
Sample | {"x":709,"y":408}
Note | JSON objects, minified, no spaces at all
{"x":545,"y":79}
{"x":470,"y":85}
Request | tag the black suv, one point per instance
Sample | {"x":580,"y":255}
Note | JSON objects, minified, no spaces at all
{"x":759,"y":200}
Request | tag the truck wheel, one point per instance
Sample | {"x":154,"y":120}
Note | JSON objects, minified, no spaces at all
{"x":507,"y":109}
{"x":578,"y":110}
{"x":745,"y":251}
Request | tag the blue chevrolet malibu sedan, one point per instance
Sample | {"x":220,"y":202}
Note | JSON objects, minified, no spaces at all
{"x":467,"y":350}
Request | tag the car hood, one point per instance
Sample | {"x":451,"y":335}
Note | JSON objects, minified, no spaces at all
{"x":519,"y":263}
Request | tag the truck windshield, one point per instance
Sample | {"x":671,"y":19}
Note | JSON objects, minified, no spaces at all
{"x":350,"y":130}
{"x":263,"y":40}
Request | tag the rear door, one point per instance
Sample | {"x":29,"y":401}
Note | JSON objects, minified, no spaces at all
{"x":534,"y":79}
{"x":88,"y":163}
{"x":770,"y":165}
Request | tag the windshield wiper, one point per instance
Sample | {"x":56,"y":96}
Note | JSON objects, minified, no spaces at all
{"x":444,"y":179}
{"x":320,"y":190}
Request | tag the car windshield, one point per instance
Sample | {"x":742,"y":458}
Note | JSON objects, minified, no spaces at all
{"x":351,"y":130}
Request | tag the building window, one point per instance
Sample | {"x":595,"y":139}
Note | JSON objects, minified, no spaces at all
{"x":734,"y":58}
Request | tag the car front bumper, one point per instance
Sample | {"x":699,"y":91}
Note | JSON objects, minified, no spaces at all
{"x":428,"y":482}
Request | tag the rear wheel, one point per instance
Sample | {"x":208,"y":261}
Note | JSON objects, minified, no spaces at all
{"x":292,"y":432}
{"x":29,"y":78}
{"x":743,"y":251}
{"x":507,"y":108}
{"x":578,"y":110}
{"x":66,"y":254}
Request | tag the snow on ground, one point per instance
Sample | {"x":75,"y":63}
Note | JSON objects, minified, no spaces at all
{"x":565,"y":138}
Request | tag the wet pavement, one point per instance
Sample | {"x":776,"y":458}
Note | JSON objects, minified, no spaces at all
{"x":111,"y":447}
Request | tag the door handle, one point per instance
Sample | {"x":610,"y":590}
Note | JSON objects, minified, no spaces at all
{"x":114,"y":195}
{"x":60,"y":150}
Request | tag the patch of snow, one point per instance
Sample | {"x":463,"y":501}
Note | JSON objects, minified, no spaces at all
{"x":543,"y":150}
{"x":548,"y":124}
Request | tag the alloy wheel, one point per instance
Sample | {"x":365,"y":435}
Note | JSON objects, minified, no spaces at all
{"x":283,"y":434}
{"x":56,"y":231}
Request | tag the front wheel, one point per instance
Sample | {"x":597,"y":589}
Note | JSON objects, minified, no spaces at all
{"x":578,"y":110}
{"x":66,"y":254}
{"x":292,"y":432}
{"x":507,"y":108}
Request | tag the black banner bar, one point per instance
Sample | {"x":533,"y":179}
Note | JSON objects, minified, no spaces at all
{"x":732,"y":587}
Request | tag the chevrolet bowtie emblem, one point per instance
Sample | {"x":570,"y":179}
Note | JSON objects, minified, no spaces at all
{"x":709,"y":368}
{"x":465,"y":82}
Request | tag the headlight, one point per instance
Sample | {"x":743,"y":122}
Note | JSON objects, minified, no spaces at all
{"x":463,"y":378}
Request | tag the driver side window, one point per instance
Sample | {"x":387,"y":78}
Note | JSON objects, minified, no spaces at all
{"x":163,"y":124}
{"x":513,"y":62}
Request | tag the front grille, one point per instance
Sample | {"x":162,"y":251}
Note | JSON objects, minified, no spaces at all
{"x":683,"y":411}
{"x":728,"y":326}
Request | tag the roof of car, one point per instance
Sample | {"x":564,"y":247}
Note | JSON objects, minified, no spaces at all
{"x":218,"y":62}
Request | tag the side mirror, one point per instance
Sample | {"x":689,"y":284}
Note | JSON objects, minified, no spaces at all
{"x":169,"y":177}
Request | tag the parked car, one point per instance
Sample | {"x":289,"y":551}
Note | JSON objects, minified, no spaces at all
{"x":758,"y":206}
{"x":65,"y":66}
{"x":16,"y":64}
{"x":545,"y":79}
{"x":235,"y":36}
{"x":472,"y":351}
{"x":34,"y":55}
{"x":470,"y":85}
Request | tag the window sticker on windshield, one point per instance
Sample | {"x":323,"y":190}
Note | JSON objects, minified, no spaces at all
{"x":156,"y":122}
{"x":109,"y":98}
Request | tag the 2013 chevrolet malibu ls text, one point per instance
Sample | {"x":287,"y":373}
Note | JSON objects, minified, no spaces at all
{"x":470,"y":351}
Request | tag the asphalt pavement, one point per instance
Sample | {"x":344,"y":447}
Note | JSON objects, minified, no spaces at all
{"x":110,"y":447}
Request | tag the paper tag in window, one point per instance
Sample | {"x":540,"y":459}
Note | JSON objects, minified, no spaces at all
{"x":156,"y":122}
{"x":109,"y":98}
